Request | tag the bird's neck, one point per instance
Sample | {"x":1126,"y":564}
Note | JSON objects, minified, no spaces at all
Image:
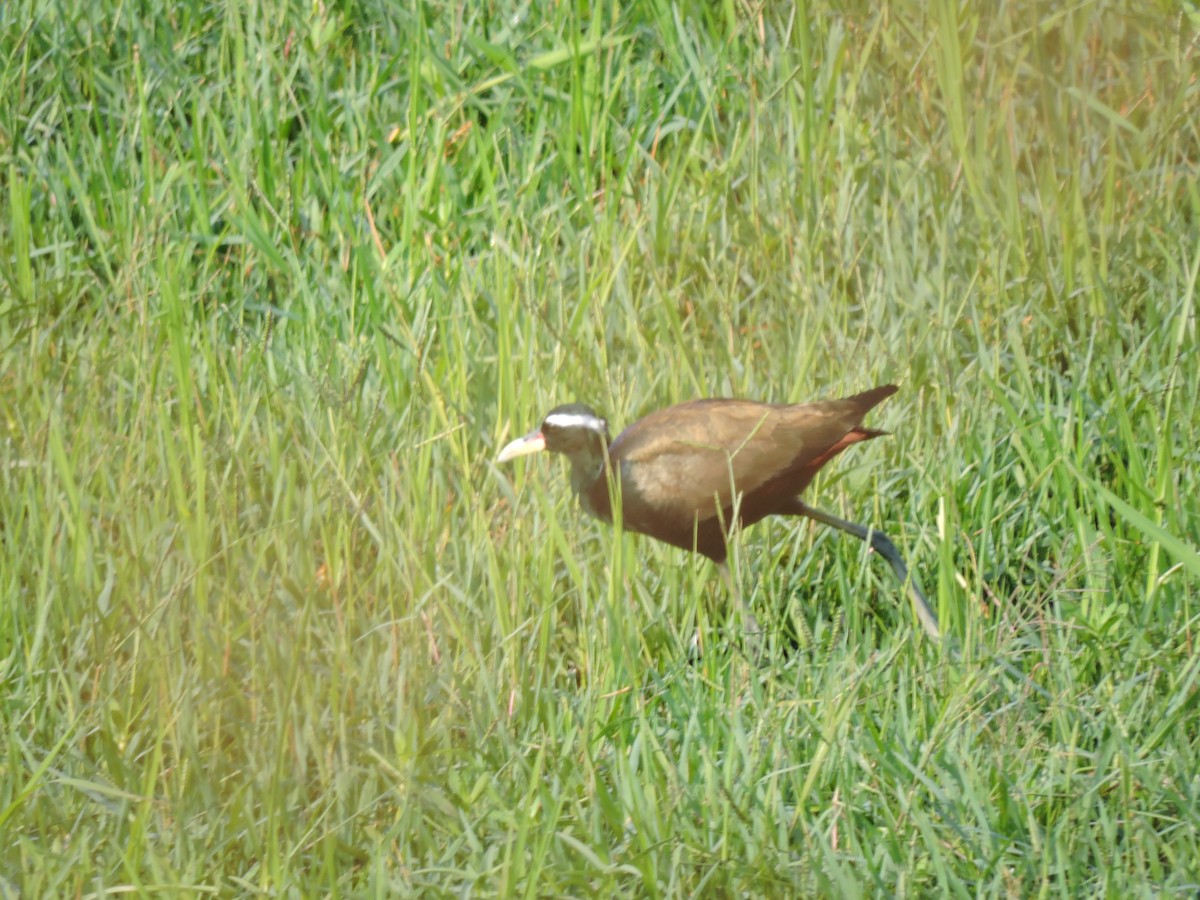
{"x":588,"y":481}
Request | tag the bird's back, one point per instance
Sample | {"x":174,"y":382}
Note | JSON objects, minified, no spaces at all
{"x":682,"y":467}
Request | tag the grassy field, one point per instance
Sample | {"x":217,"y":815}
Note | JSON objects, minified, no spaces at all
{"x":276,"y":283}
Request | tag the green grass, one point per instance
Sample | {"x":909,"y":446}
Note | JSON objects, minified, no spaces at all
{"x":276,"y":283}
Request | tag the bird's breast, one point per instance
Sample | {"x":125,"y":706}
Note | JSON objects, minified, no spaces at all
{"x":594,"y":498}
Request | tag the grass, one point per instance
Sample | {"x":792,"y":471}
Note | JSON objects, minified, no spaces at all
{"x":276,"y":283}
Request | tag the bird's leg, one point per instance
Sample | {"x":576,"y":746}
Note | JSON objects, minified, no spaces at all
{"x":884,"y":547}
{"x":749,"y":623}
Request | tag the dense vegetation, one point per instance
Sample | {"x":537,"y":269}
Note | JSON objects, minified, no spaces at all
{"x":277,"y":280}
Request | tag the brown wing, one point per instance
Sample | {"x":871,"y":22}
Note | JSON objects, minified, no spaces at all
{"x":690,"y":460}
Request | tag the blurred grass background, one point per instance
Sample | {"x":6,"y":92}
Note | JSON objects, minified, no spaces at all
{"x":276,"y":282}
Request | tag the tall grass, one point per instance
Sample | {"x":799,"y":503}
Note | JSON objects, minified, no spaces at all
{"x":276,"y":281}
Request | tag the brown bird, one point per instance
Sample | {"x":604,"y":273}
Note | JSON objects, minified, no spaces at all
{"x":686,"y":473}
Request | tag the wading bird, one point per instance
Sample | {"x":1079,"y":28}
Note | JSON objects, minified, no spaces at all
{"x":685,"y":474}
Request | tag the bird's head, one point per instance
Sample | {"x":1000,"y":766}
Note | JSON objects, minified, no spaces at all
{"x":573,"y":430}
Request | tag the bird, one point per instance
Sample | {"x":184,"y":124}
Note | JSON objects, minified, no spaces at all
{"x":687,"y":473}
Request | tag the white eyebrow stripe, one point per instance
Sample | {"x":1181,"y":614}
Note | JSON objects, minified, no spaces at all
{"x":575,"y":420}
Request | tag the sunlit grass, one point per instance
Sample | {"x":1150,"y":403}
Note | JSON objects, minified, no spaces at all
{"x":276,"y":285}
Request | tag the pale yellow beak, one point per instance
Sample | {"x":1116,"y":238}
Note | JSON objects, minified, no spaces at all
{"x":533,"y":442}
